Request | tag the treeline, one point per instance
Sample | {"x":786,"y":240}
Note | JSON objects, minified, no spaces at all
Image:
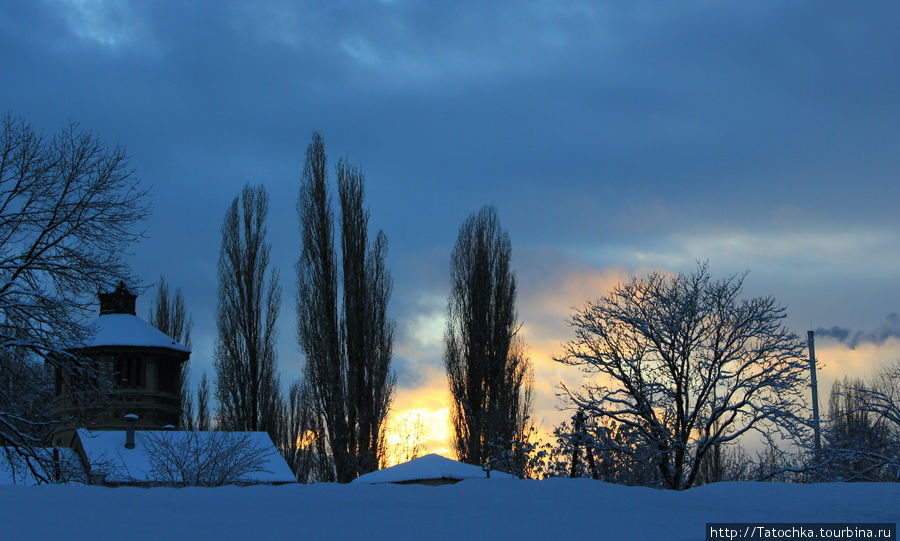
{"x":331,"y":424}
{"x":678,"y":369}
{"x":681,"y":371}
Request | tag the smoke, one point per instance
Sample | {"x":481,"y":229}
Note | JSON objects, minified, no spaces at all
{"x":889,"y":329}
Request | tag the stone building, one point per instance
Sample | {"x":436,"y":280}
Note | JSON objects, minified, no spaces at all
{"x":145,"y":367}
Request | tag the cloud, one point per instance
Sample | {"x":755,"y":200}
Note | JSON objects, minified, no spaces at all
{"x":109,"y":24}
{"x":890,"y":328}
{"x":787,"y":248}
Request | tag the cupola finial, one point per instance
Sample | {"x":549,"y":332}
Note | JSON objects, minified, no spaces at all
{"x":119,"y":301}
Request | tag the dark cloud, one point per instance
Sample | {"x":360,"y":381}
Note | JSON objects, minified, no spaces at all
{"x":890,"y":328}
{"x":591,"y":126}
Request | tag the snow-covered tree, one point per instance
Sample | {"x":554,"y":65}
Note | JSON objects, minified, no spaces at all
{"x":686,"y":364}
{"x":862,"y":431}
{"x":68,"y":205}
{"x":600,"y":449}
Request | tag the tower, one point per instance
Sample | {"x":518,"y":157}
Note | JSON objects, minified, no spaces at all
{"x":144,"y":365}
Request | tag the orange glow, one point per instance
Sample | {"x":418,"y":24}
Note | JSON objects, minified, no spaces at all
{"x":545,"y":307}
{"x":836,"y":360}
{"x":416,"y":432}
{"x":545,"y":313}
{"x":306,"y":440}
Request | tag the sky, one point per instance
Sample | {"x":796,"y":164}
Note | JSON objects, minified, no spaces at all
{"x":614,"y":138}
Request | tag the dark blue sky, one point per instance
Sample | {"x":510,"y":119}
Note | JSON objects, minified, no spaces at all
{"x":613,"y":138}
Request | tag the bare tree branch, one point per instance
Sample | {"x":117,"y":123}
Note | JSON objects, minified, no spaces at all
{"x":68,"y":206}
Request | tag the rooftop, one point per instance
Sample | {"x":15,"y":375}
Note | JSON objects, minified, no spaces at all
{"x":173,"y":457}
{"x":429,"y":467}
{"x":130,"y":330}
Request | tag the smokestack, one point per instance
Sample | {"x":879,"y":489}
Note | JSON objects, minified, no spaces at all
{"x":129,"y":430}
{"x":814,"y":386}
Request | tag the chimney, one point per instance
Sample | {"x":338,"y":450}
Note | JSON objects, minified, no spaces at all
{"x":129,"y":430}
{"x":810,"y":338}
{"x":119,"y":301}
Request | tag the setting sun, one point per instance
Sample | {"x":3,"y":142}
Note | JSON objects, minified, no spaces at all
{"x":415,"y":432}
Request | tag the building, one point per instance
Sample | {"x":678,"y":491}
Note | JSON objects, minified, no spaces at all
{"x":179,"y":458}
{"x":127,"y":437}
{"x":432,"y":469}
{"x":145,"y":366}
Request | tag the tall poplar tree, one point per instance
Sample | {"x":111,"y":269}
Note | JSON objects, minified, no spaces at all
{"x":169,"y":315}
{"x":247,"y":383}
{"x":488,"y":373}
{"x":347,"y":339}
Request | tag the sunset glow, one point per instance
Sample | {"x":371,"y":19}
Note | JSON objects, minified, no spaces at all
{"x":416,"y":432}
{"x":611,"y":140}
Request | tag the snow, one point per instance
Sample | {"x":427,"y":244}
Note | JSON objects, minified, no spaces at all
{"x":472,"y":509}
{"x":106,"y":452}
{"x":130,"y":330}
{"x":431,"y":466}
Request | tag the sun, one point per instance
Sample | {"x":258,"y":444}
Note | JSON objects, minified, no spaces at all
{"x":415,"y":432}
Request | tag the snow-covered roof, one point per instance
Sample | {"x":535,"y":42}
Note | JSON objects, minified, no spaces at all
{"x":130,"y":330}
{"x":158,"y":455}
{"x":429,"y":467}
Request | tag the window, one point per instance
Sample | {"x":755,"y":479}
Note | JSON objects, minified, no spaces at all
{"x":129,"y":373}
{"x":168,"y":376}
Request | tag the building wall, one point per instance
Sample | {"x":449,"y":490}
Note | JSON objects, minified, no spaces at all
{"x":156,"y":402}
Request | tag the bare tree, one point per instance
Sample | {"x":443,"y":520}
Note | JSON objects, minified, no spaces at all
{"x":366,"y":331}
{"x":688,"y":365}
{"x":406,"y":440}
{"x":206,"y":459}
{"x":169,"y":315}
{"x":247,"y":383}
{"x":186,"y":419}
{"x":347,"y":340}
{"x":67,"y":208}
{"x":203,"y":416}
{"x":301,"y":440}
{"x":862,"y":432}
{"x":488,"y":372}
{"x":318,"y":330}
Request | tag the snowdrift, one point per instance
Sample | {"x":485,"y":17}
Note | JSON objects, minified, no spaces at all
{"x":471,"y":509}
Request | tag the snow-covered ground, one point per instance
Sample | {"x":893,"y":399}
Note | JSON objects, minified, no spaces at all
{"x":555,"y":509}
